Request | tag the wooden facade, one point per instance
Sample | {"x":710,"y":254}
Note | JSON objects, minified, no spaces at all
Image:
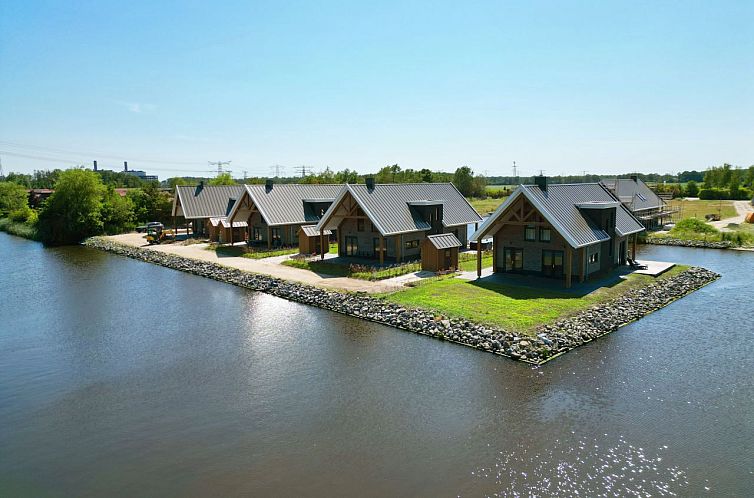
{"x":438,"y":260}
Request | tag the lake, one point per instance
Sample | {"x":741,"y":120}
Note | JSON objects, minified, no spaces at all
{"x":121,"y":378}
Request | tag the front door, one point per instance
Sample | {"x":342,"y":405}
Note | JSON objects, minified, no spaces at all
{"x":552,"y":263}
{"x":513,"y":259}
{"x":448,"y":260}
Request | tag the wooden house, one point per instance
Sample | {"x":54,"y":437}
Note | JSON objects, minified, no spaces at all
{"x":560,"y":231}
{"x":312,"y":241}
{"x":275,"y":213}
{"x":646,"y":205}
{"x":199,"y":204}
{"x":389,"y":222}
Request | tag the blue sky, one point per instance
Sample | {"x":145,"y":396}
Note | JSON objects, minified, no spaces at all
{"x":563,"y":87}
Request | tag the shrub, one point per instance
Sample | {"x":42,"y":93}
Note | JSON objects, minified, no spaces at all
{"x":713,"y":194}
{"x":692,"y":189}
{"x":21,"y":215}
{"x":693,"y":225}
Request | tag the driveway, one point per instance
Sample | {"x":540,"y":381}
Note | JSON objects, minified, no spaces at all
{"x":743,"y":208}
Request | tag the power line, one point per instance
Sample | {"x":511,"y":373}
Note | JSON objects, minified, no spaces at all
{"x":302,"y":169}
{"x":277,"y":170}
{"x":220,"y":165}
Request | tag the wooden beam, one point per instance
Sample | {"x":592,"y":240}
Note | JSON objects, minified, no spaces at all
{"x":479,"y":259}
{"x":569,"y":266}
{"x":382,"y":250}
{"x":322,"y":245}
{"x":269,"y":237}
{"x":398,"y":255}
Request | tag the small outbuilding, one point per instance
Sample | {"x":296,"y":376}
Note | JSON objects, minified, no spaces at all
{"x":440,"y":252}
{"x":310,"y":240}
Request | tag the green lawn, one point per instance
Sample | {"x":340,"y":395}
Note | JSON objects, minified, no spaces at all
{"x":250,"y":252}
{"x":696,"y":229}
{"x":467,"y":260}
{"x":353,"y":271}
{"x":698,"y":209}
{"x":485,"y":205}
{"x":512,"y":307}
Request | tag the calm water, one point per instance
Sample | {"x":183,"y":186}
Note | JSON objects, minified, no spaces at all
{"x":122,"y":378}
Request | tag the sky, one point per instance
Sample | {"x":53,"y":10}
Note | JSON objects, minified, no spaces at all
{"x":559,"y":87}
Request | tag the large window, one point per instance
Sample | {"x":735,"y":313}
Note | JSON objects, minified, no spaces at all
{"x":256,"y":234}
{"x":412,"y":244}
{"x":544,"y":234}
{"x":352,"y":246}
{"x":530,"y":233}
{"x":594,"y":258}
{"x":513,"y":259}
{"x":276,"y":240}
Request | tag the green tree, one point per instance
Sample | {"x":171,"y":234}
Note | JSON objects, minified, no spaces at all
{"x":12,"y":197}
{"x":692,"y":189}
{"x":223,"y":179}
{"x":74,"y":211}
{"x":426,"y":175}
{"x":150,"y":204}
{"x":177,"y":180}
{"x":117,"y":212}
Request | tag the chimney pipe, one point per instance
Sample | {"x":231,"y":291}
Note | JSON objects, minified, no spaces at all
{"x":95,"y":165}
{"x":125,"y":166}
{"x":370,"y":182}
{"x":268,"y":184}
{"x":541,"y":182}
{"x":635,"y":178}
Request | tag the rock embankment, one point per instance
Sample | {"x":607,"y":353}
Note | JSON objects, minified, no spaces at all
{"x":667,"y":241}
{"x":551,"y":340}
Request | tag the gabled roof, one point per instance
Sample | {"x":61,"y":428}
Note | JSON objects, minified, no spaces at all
{"x":559,"y":204}
{"x":289,"y":204}
{"x":444,"y":240}
{"x":208,"y":201}
{"x":393,"y":207}
{"x":311,"y":231}
{"x":226,"y":224}
{"x":634,"y":193}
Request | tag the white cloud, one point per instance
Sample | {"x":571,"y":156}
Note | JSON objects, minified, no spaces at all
{"x":136,"y":107}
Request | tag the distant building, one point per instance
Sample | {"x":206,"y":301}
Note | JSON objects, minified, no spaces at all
{"x":142,"y":175}
{"x":643,"y":202}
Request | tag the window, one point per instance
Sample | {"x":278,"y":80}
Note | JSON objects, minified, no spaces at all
{"x":544,"y":234}
{"x":256,"y":234}
{"x":352,"y":246}
{"x":276,"y":236}
{"x":360,"y":225}
{"x":530,"y":233}
{"x":594,"y":258}
{"x":412,"y":244}
{"x":513,"y":259}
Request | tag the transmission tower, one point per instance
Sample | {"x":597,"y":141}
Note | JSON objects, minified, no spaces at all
{"x":2,"y":175}
{"x":277,"y":170}
{"x":515,"y":172}
{"x":303,"y":169}
{"x":220,"y":165}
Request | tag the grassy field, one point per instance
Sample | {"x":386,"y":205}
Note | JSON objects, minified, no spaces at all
{"x":250,"y":252}
{"x":486,"y":205}
{"x":361,"y":272}
{"x":497,"y":188}
{"x":512,"y":307}
{"x":698,"y":209}
{"x":696,"y":229}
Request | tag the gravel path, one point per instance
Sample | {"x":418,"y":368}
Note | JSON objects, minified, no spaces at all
{"x":743,"y":208}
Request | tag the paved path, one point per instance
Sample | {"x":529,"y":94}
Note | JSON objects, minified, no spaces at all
{"x":743,"y":208}
{"x":267,"y":266}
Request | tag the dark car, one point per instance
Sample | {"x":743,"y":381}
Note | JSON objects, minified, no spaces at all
{"x":151,"y":224}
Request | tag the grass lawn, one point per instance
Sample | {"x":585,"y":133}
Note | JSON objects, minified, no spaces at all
{"x":353,"y":271}
{"x":486,"y":205}
{"x":698,"y":209}
{"x":250,"y":252}
{"x":467,"y":260}
{"x":512,"y":307}
{"x":696,"y":229}
{"x":498,"y":188}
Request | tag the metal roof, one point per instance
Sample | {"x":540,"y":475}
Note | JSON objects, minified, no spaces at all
{"x":286,"y":204}
{"x":634,"y":193}
{"x":226,"y":224}
{"x":206,"y":201}
{"x":559,"y":204}
{"x":392,"y":206}
{"x":444,"y":240}
{"x":311,"y":231}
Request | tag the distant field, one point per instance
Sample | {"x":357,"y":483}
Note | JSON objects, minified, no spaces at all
{"x":487,"y":205}
{"x":698,"y":209}
{"x":495,"y":188}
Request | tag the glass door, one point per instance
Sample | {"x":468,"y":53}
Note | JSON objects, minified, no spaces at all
{"x":513,"y":259}
{"x":552,"y":263}
{"x":352,"y":246}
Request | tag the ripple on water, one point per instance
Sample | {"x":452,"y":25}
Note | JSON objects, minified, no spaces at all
{"x":584,"y":468}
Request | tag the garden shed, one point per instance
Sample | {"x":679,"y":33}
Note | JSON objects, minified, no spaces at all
{"x":310,"y":240}
{"x":440,"y":252}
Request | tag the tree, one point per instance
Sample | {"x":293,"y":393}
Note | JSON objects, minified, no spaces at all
{"x":12,"y":197}
{"x":426,"y":175}
{"x":117,"y":212}
{"x":177,"y":180}
{"x":74,"y":211}
{"x":223,"y":179}
{"x":150,"y":204}
{"x":692,"y":189}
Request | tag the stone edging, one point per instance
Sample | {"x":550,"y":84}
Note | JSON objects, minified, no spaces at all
{"x":551,"y":341}
{"x":665,"y":241}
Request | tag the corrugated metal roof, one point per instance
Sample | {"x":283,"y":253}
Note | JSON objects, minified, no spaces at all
{"x":444,"y":240}
{"x":635,"y":194}
{"x":388,"y":205}
{"x":559,"y":205}
{"x":209,"y":201}
{"x":226,"y":224}
{"x":311,"y":231}
{"x":284,"y":204}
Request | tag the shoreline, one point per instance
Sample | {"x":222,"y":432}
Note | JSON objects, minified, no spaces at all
{"x":552,"y":340}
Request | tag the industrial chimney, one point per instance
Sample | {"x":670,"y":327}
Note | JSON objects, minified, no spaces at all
{"x":95,"y":165}
{"x":125,"y":166}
